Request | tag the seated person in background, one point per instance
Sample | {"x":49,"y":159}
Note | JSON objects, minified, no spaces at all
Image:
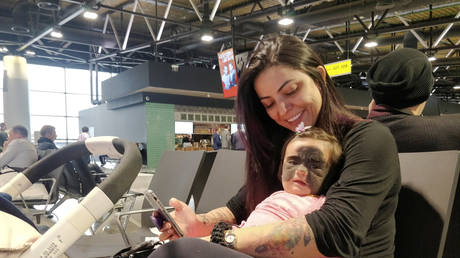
{"x":401,"y":83}
{"x":3,"y":135}
{"x":305,"y":162}
{"x":46,"y":140}
{"x":18,"y":152}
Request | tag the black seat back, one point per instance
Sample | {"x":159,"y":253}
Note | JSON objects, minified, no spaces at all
{"x":424,"y":215}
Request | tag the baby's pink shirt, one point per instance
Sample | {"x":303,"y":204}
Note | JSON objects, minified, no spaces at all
{"x":281,"y":206}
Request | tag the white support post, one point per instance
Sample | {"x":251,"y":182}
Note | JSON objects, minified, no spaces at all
{"x":104,"y":30}
{"x":214,"y":10}
{"x":306,"y":34}
{"x":412,"y":31}
{"x":361,"y":38}
{"x":335,"y":42}
{"x":447,"y":56}
{"x":160,"y":31}
{"x":115,"y":33}
{"x":196,"y":10}
{"x":149,"y":26}
{"x":130,"y":24}
{"x":444,"y":32}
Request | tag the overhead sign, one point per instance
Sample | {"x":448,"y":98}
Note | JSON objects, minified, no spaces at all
{"x":338,"y":68}
{"x":228,"y":75}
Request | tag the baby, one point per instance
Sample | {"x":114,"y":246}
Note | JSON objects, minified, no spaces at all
{"x":305,"y":162}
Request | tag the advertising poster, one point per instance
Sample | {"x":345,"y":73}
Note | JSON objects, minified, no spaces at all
{"x":228,"y":75}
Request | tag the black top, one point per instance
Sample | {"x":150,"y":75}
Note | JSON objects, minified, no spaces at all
{"x":357,"y":219}
{"x":46,"y":144}
{"x":3,"y":138}
{"x":421,"y":134}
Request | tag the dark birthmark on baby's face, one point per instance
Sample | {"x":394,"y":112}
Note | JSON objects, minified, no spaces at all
{"x":309,"y":159}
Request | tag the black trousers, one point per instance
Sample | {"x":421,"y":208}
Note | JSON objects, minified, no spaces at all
{"x":193,"y":247}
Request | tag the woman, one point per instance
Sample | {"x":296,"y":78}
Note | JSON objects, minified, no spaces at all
{"x":285,"y":84}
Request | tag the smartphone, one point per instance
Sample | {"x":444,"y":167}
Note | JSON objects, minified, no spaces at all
{"x":163,"y":214}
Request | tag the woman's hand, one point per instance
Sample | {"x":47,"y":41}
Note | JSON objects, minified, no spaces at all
{"x":187,"y":220}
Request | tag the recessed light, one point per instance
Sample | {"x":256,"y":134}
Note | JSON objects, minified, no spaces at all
{"x":56,"y":34}
{"x":286,"y":21}
{"x":207,"y":37}
{"x":30,"y":53}
{"x":370,"y":44}
{"x":3,"y":49}
{"x":431,"y":58}
{"x":90,"y":15}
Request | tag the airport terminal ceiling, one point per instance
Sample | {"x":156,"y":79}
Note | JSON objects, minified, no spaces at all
{"x":126,"y":33}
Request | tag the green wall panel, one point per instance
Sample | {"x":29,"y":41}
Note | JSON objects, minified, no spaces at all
{"x":160,"y":131}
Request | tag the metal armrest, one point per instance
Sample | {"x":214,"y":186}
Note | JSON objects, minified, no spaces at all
{"x":122,"y":225}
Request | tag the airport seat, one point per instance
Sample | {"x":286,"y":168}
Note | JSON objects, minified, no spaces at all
{"x":180,"y":174}
{"x":427,"y":221}
{"x":225,"y":179}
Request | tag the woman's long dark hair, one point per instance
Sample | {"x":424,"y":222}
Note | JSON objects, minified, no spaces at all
{"x":264,"y":137}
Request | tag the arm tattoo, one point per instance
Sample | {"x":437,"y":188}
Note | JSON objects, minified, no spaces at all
{"x":284,"y":237}
{"x":216,"y":215}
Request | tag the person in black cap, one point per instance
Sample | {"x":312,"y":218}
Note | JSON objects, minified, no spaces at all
{"x":401,"y":83}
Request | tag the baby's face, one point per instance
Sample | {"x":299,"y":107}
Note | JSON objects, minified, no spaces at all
{"x":305,"y":165}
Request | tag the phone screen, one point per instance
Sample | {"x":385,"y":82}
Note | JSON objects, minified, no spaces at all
{"x":162,"y":214}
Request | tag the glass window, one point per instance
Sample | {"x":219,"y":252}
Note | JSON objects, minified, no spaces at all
{"x":46,"y":78}
{"x":77,"y":81}
{"x":73,"y":130}
{"x":1,"y":100}
{"x":47,"y":103}
{"x":76,"y":103}
{"x":36,"y":123}
{"x":1,"y":74}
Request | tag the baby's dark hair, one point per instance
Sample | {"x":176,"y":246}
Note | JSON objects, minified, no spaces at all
{"x":317,"y":134}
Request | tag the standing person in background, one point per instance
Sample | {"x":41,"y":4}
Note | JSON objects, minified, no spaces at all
{"x":216,"y":142}
{"x":84,"y":134}
{"x":237,"y":139}
{"x":225,"y":138}
{"x":82,"y":137}
{"x":18,"y":152}
{"x":401,"y":83}
{"x":3,"y":135}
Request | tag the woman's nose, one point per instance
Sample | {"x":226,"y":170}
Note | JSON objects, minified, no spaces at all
{"x":283,"y":108}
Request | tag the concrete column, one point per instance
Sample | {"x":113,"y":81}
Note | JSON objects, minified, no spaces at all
{"x":16,"y":92}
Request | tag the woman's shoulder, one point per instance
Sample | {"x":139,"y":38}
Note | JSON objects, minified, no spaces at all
{"x":368,"y":128}
{"x":368,"y":135}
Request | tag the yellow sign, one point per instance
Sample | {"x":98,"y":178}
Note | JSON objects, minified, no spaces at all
{"x":338,"y":68}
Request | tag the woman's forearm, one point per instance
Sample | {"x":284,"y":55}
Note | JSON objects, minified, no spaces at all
{"x":291,"y":238}
{"x":211,"y":218}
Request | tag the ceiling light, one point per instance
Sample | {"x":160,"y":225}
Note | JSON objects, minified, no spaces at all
{"x":457,"y":87}
{"x":30,"y":53}
{"x":207,"y":37}
{"x":371,"y":43}
{"x":3,"y":49}
{"x":431,"y":58}
{"x":90,"y":15}
{"x":56,"y":34}
{"x":286,"y":21}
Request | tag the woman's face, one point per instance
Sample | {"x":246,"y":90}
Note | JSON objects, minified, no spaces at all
{"x":305,"y":165}
{"x":289,"y":96}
